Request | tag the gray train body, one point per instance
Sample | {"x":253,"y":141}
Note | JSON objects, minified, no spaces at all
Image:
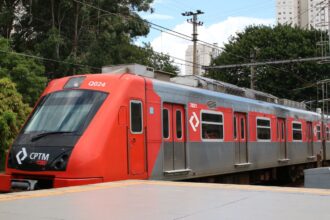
{"x":203,"y":158}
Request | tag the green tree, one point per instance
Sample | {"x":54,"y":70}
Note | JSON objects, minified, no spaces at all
{"x":13,"y":113}
{"x":75,"y":32}
{"x":26,"y":73}
{"x":274,"y":43}
{"x":8,"y":8}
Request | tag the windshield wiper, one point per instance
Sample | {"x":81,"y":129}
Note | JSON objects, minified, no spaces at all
{"x":38,"y":136}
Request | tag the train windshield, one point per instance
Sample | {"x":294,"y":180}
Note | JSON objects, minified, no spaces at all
{"x":66,"y":111}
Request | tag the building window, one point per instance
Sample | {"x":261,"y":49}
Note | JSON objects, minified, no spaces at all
{"x":318,"y":132}
{"x":263,"y":129}
{"x":296,"y":131}
{"x":136,"y":117}
{"x":212,"y":126}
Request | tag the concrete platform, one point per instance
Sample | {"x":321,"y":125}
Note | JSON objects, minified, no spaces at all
{"x":166,"y":200}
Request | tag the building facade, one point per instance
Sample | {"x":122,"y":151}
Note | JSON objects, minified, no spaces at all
{"x":305,"y":14}
{"x":204,"y":56}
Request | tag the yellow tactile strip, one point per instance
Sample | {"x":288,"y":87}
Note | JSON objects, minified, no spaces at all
{"x":93,"y":187}
{"x":65,"y":190}
{"x":325,"y":192}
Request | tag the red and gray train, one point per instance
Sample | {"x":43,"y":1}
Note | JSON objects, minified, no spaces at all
{"x":106,"y":127}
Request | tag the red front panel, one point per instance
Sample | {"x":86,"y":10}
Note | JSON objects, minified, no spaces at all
{"x":153,"y":121}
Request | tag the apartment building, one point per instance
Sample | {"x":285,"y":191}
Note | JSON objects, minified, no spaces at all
{"x":303,"y":13}
{"x":205,"y":54}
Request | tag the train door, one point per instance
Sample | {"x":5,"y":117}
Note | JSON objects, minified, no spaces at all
{"x":174,"y":137}
{"x":281,"y":135}
{"x":309,"y":137}
{"x":136,"y":139}
{"x":240,"y":138}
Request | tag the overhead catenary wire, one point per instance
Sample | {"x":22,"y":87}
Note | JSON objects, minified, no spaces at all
{"x":173,"y":57}
{"x":74,"y":64}
{"x":174,"y":33}
{"x":267,"y":63}
{"x":48,"y":59}
{"x":168,"y":31}
{"x":82,"y":65}
{"x":183,"y":36}
{"x":152,"y":25}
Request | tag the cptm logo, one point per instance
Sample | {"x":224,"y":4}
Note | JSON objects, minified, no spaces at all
{"x":41,"y":158}
{"x":21,"y":155}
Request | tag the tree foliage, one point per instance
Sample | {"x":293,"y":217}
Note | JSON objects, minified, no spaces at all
{"x":70,"y":37}
{"x":8,"y":9}
{"x":26,"y":73}
{"x":274,"y":43}
{"x":86,"y":35}
{"x":13,"y":113}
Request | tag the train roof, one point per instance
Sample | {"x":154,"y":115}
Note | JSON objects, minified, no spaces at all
{"x":193,"y":85}
{"x":171,"y":86}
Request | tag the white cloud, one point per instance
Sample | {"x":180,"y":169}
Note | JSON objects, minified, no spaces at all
{"x":158,"y":2}
{"x":156,"y":16}
{"x":215,"y":33}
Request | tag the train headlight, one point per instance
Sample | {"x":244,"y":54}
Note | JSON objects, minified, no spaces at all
{"x":74,"y":82}
{"x":61,"y":162}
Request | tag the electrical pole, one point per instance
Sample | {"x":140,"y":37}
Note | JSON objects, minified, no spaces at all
{"x":324,"y":112}
{"x":195,"y":23}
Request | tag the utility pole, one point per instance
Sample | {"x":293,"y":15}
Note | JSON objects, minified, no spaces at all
{"x":195,"y":23}
{"x":324,"y":112}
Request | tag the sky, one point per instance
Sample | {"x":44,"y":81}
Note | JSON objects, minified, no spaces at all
{"x":221,"y":20}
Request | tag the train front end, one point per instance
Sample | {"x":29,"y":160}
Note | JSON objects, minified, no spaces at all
{"x":53,"y":149}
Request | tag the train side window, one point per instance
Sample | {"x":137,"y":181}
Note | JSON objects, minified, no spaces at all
{"x":263,"y":129}
{"x":136,"y":116}
{"x":166,"y":132}
{"x":242,"y":128}
{"x":178,"y":124}
{"x":296,"y":131}
{"x":277,"y":131}
{"x":318,"y":132}
{"x":212,"y":126}
{"x":235,"y":127}
{"x":282,"y":130}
